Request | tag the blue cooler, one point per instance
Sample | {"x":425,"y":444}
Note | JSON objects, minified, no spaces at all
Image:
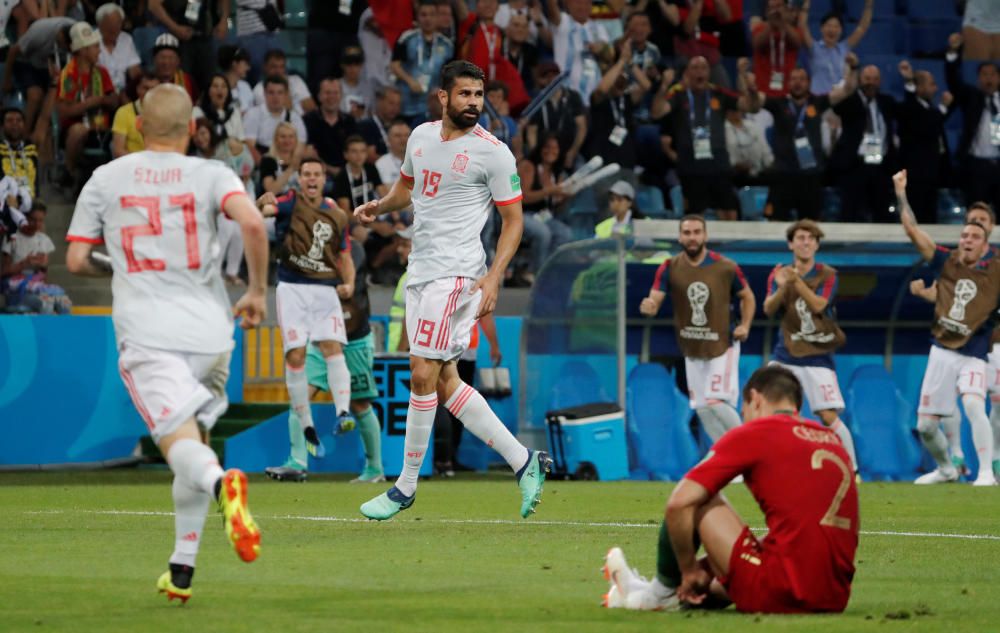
{"x":588,"y":441}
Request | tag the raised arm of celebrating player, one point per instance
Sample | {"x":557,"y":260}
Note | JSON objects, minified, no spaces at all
{"x":398,"y":198}
{"x":924,"y":243}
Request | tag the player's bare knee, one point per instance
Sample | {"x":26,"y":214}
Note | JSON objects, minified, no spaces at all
{"x":927,"y":425}
{"x":329,"y":348}
{"x":829,"y":417}
{"x":423,"y":375}
{"x":296,"y":358}
{"x":188,"y":430}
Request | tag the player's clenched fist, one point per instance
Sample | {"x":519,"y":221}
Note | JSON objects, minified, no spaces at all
{"x":367,"y":212}
{"x":252,"y":307}
{"x":648,"y":307}
{"x":899,"y":180}
{"x":268,"y":204}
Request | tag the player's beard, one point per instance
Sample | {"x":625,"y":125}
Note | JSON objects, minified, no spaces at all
{"x":694,"y":250}
{"x":458,"y":118}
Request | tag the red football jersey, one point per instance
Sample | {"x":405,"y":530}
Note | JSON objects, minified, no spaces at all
{"x":802,"y":479}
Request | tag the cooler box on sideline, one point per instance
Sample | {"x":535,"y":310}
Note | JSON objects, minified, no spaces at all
{"x":588,"y":441}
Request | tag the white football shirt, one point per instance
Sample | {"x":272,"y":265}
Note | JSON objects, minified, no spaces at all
{"x":455,"y":185}
{"x":157,"y":213}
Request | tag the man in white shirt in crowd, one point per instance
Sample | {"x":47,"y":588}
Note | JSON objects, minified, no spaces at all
{"x":118,"y":52}
{"x":580,"y":44}
{"x":261,"y":120}
{"x":388,"y":165}
{"x":275,"y":65}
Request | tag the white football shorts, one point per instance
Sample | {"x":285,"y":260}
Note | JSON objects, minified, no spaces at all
{"x":993,"y":372}
{"x":949,"y":372}
{"x":169,"y":388}
{"x":819,"y":385}
{"x":714,"y":378}
{"x":309,"y":312}
{"x":440,"y":315}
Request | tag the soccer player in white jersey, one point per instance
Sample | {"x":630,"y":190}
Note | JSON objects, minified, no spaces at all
{"x":156,"y":211}
{"x":453,"y":172}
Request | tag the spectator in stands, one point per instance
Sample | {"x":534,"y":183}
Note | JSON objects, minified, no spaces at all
{"x":375,"y":48}
{"x":167,"y":64}
{"x":978,"y":149}
{"x":541,"y":176}
{"x":865,"y":155}
{"x":25,"y":262}
{"x":256,"y":24}
{"x":826,"y":56}
{"x":693,"y":135}
{"x":235,"y":65}
{"x":329,"y":128}
{"x":359,"y":181}
{"x":563,"y":115}
{"x":261,"y":120}
{"x":276,"y":65}
{"x":981,"y":31}
{"x":417,"y":60}
{"x":522,"y":54}
{"x":389,"y":164}
{"x":580,"y":45}
{"x":125,"y":136}
{"x":375,"y":129}
{"x":6,"y":9}
{"x":538,"y":29}
{"x":776,"y":42}
{"x":28,"y":61}
{"x":700,"y":26}
{"x":15,"y":204}
{"x":621,"y":197}
{"x":195,"y":24}
{"x":503,"y":125}
{"x":799,"y":159}
{"x":645,"y":56}
{"x":358,"y":91}
{"x":279,"y":168}
{"x":217,"y":105}
{"x":923,"y":146}
{"x":18,"y":156}
{"x":85,"y":98}
{"x":332,"y":27}
{"x":118,"y":53}
{"x":749,"y":153}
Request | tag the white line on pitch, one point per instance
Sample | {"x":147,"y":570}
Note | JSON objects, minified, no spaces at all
{"x":331,"y":519}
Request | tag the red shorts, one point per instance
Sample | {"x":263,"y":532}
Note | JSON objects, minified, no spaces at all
{"x":757,"y":582}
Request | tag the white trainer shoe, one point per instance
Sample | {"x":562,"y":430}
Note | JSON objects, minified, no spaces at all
{"x":937,"y":476}
{"x":646,"y":598}
{"x":613,"y":599}
{"x":619,"y":574}
{"x":985,"y":478}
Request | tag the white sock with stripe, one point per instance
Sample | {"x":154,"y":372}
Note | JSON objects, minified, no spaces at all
{"x":952,"y":427}
{"x":190,"y":510}
{"x":846,"y":439}
{"x":298,"y":394}
{"x":717,"y":418}
{"x":995,"y":422}
{"x":469,"y":406}
{"x":339,"y":380}
{"x":419,"y":423}
{"x":196,"y":463}
{"x":982,"y":433}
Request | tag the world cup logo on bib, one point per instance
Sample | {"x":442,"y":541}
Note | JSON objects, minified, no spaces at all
{"x":965,"y":291}
{"x":698,"y":294}
{"x":322,"y":232}
{"x":805,"y":316}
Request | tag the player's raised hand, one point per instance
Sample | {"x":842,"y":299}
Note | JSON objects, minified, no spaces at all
{"x":648,"y":307}
{"x":947,"y":99}
{"x":367,"y":212}
{"x":906,"y":71}
{"x":852,"y":59}
{"x":490,"y":287}
{"x":955,"y":41}
{"x":899,"y":181}
{"x":251,"y":309}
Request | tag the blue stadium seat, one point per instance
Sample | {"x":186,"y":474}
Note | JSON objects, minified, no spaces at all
{"x":882,"y":38}
{"x":883,"y":9}
{"x":819,"y":8}
{"x":577,"y":384}
{"x":752,"y":202}
{"x":297,"y":64}
{"x":930,"y":10}
{"x":970,"y":73}
{"x":657,"y":417}
{"x":649,"y":200}
{"x":293,"y":42}
{"x":881,"y":421}
{"x":677,"y":200}
{"x":932,"y":37}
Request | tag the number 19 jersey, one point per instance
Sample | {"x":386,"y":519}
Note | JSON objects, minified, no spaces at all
{"x":157,"y":213}
{"x":455,"y":185}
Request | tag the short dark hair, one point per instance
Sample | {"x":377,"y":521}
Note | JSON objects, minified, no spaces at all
{"x":352,"y":139}
{"x":983,"y":206}
{"x":977,"y":225}
{"x":9,"y":110}
{"x":399,"y":121}
{"x":832,"y":16}
{"x":39,"y":205}
{"x":775,"y":383}
{"x":274,"y":53}
{"x":805,"y":225}
{"x":459,"y":68}
{"x":693,"y":217}
{"x":313,"y":159}
{"x":983,"y":65}
{"x":275,"y":79}
{"x":496,"y":84}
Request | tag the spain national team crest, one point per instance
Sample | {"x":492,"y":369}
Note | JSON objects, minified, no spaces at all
{"x":460,"y":163}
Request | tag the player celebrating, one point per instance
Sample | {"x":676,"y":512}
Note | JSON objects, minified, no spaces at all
{"x":804,"y":292}
{"x":968,"y":290}
{"x":702,"y":284}
{"x":156,"y":211}
{"x":315,"y":271}
{"x":359,"y":353}
{"x":463,"y":171}
{"x":800,"y":476}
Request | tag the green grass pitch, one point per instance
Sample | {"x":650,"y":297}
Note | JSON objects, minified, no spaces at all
{"x":82,"y":551}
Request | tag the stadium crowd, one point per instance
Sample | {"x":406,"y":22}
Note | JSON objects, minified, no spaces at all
{"x":742,"y":108}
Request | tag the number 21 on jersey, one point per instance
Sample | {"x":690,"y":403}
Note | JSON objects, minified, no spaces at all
{"x":154,"y":228}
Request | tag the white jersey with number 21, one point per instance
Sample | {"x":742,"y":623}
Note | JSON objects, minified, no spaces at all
{"x":455,"y":185}
{"x":157,"y":213}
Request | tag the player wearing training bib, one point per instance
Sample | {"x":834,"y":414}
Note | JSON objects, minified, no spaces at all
{"x":454,"y":172}
{"x":703,"y":285}
{"x":157,"y":211}
{"x":315,"y":271}
{"x":801,"y":478}
{"x":804,"y":293}
{"x":967,"y":294}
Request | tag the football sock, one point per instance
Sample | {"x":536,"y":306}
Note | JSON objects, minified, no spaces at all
{"x":995,"y":422}
{"x":371,"y":437}
{"x":196,"y":464}
{"x":982,"y":432}
{"x":300,"y":454}
{"x":844,"y":434}
{"x":298,"y":394}
{"x":339,"y":379}
{"x":952,"y":427}
{"x":190,"y":510}
{"x":668,"y":572}
{"x":180,"y":575}
{"x":934,"y":441}
{"x":419,"y":423}
{"x":469,"y":406}
{"x":717,"y":418}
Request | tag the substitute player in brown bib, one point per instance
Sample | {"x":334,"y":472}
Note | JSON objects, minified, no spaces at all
{"x":702,"y":285}
{"x":968,"y":290}
{"x":804,"y":293}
